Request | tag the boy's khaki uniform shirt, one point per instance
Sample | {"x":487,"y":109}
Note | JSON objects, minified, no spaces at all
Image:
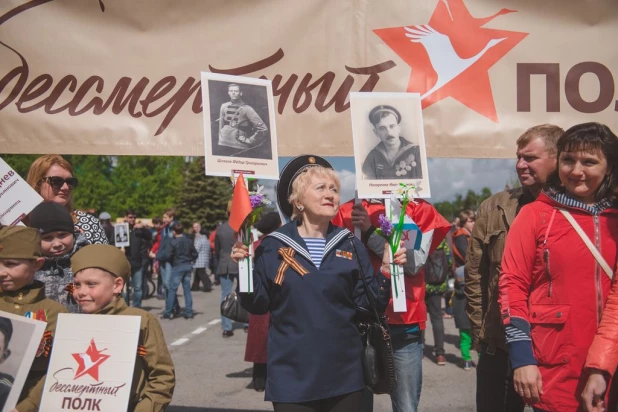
{"x":32,"y":299}
{"x":153,"y":378}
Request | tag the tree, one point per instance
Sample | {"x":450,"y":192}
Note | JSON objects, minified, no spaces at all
{"x":20,"y":163}
{"x":94,"y":174}
{"x":203,"y":198}
{"x":147,"y":184}
{"x":472,"y":201}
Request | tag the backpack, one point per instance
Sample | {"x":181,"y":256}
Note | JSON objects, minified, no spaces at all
{"x":164,"y":254}
{"x":436,"y":268}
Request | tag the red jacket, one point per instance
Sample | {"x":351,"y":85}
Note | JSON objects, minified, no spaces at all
{"x":426,"y":218}
{"x":603,"y":353}
{"x":157,"y":242}
{"x":553,"y":291}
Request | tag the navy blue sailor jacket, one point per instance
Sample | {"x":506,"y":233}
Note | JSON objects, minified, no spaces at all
{"x":314,"y":347}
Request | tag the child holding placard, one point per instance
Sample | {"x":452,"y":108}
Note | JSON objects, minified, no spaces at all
{"x":100,"y":274}
{"x":59,"y":242}
{"x":21,"y":294}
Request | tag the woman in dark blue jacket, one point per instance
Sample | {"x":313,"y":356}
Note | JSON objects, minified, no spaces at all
{"x":306,"y":275}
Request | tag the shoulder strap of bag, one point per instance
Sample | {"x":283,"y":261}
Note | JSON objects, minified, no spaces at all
{"x":370,"y":297}
{"x":588,"y":242}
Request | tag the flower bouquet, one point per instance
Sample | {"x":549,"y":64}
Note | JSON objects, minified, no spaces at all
{"x":392,"y":226}
{"x":247,"y":208}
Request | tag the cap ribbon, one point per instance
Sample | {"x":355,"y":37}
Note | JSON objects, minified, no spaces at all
{"x":287,"y":253}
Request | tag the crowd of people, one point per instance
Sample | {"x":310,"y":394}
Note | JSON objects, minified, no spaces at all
{"x":528,"y":278}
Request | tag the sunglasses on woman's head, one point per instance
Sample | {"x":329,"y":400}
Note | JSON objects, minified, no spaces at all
{"x":57,"y":182}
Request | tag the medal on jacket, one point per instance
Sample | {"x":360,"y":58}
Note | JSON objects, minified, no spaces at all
{"x":343,"y":254}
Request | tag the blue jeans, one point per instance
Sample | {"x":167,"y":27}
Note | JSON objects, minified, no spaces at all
{"x":165,"y":270}
{"x":179,"y":276}
{"x":408,"y":356}
{"x":137,"y":282}
{"x":227,"y":285}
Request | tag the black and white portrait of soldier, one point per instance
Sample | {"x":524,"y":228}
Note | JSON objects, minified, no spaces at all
{"x":394,"y":157}
{"x":239,"y":120}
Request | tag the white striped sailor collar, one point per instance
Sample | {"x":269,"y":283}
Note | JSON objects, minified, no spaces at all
{"x":404,"y":146}
{"x":567,"y":200}
{"x":288,"y":234}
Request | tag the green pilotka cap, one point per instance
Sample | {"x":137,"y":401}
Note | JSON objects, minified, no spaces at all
{"x":106,"y":257}
{"x":19,"y":242}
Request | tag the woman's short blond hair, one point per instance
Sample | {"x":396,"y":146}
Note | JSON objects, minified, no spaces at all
{"x":300,"y":184}
{"x":40,"y":167}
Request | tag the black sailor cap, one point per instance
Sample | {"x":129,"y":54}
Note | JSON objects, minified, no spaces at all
{"x":289,"y":173}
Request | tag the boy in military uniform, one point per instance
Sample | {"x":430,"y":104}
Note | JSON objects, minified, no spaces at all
{"x":100,"y":274}
{"x":21,"y":294}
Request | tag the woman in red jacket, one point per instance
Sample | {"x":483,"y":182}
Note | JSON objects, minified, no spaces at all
{"x":552,"y":289}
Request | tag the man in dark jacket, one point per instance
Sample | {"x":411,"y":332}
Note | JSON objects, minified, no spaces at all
{"x":227,"y":270}
{"x":536,"y":160}
{"x":140,"y":239}
{"x":163,"y":254}
{"x":183,"y":255}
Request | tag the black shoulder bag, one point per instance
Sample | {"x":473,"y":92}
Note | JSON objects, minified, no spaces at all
{"x":377,"y":356}
{"x":231,"y":308}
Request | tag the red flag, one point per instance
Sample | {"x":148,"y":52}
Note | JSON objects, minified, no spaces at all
{"x":241,"y":204}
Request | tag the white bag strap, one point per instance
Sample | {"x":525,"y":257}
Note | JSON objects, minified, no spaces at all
{"x":588,"y":242}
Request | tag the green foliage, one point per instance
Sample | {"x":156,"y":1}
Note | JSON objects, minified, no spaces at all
{"x":203,"y":198}
{"x":147,"y":184}
{"x":472,"y":201}
{"x":19,"y":163}
{"x":95,"y":184}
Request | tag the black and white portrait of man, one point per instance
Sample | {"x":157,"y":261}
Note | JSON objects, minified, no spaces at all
{"x":394,"y":157}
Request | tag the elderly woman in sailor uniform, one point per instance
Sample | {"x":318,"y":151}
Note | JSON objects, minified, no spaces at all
{"x":306,"y":274}
{"x":394,"y":157}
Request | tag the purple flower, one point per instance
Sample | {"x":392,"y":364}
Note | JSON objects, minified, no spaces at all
{"x":385,"y":225}
{"x":256,"y":200}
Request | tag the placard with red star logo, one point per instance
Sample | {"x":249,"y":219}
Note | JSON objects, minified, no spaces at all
{"x":92,"y":362}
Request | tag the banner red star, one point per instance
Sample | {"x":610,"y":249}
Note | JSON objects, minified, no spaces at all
{"x":452,"y":55}
{"x":89,"y":361}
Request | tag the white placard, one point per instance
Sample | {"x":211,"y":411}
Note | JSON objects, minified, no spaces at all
{"x":357,"y":201}
{"x":239,"y":126}
{"x":17,"y":198}
{"x":389,"y":143}
{"x":398,"y":287}
{"x":121,"y":235}
{"x":19,"y":351}
{"x":92,"y":361}
{"x":245,"y":268}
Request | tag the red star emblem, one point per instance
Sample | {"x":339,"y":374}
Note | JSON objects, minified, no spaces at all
{"x":89,"y":361}
{"x":452,"y":55}
{"x":405,"y":235}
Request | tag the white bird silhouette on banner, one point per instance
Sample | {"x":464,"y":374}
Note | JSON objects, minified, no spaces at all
{"x":445,"y":61}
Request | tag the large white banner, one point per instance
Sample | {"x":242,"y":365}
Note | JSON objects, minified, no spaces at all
{"x":123,"y":77}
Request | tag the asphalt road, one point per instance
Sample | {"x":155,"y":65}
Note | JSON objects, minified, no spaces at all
{"x":211,"y":374}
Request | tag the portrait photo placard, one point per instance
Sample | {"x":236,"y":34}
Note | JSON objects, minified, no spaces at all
{"x":20,"y":338}
{"x":17,"y":198}
{"x":239,"y":126}
{"x":91,"y":363}
{"x":121,"y":234}
{"x":389,"y":144}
